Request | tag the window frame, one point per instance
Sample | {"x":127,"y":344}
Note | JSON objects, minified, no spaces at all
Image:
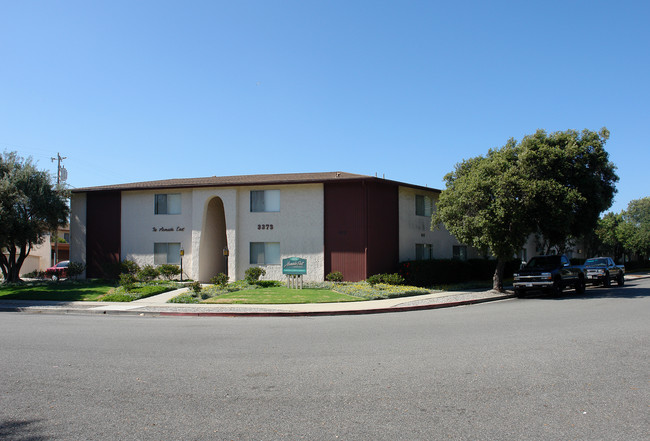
{"x":158,"y":205}
{"x":174,"y":253}
{"x":462,"y":252}
{"x":265,"y":252}
{"x":423,"y":249}
{"x":421,"y":207}
{"x":265,"y":200}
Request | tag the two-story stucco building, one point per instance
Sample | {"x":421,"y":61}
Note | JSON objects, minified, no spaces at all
{"x":358,"y":225}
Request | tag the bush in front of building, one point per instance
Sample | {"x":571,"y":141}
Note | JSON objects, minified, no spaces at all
{"x":147,"y":273}
{"x":254,"y":273}
{"x":75,"y":269}
{"x":128,"y":267}
{"x":169,"y":271}
{"x":220,"y":280}
{"x":128,"y":281}
{"x":388,"y":279}
{"x":196,"y":288}
{"x":335,"y":276}
{"x":437,"y":272}
{"x":36,"y":274}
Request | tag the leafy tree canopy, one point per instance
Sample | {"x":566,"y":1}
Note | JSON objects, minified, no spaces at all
{"x":634,"y":231}
{"x":30,"y":207}
{"x":554,"y":185}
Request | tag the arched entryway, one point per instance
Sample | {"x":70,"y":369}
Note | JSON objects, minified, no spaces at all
{"x":213,"y":241}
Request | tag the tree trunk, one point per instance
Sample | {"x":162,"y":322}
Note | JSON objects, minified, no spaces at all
{"x":497,"y":280}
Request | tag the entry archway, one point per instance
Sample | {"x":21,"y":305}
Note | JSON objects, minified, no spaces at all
{"x":213,"y":240}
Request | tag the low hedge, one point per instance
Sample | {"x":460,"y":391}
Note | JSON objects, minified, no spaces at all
{"x":435,"y":272}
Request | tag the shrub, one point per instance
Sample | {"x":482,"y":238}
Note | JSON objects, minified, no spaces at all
{"x":388,"y":279}
{"x":253,"y":274}
{"x":436,"y":272}
{"x":335,"y":276}
{"x":75,"y":269}
{"x":184,"y":298}
{"x":169,"y":271}
{"x":35,"y":275}
{"x":127,"y":281}
{"x":129,"y":267}
{"x":220,"y":280}
{"x":196,"y":287}
{"x":147,"y":273}
{"x":268,"y":283}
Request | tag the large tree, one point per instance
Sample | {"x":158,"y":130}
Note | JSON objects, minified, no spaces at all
{"x":486,"y":204}
{"x":30,"y":207}
{"x":554,"y":186}
{"x":574,"y":182}
{"x":634,"y":231}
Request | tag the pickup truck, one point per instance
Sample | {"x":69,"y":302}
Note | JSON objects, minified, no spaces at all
{"x":602,"y":270}
{"x":549,"y":273}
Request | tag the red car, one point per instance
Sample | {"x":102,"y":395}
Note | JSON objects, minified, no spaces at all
{"x":58,"y":271}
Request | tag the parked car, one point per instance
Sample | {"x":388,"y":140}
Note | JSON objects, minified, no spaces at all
{"x":58,"y":271}
{"x":549,"y":273}
{"x":602,"y":270}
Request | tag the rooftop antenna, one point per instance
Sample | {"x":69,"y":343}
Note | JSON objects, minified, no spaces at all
{"x":61,"y":175}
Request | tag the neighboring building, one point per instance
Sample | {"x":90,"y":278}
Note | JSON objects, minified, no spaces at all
{"x":358,"y":225}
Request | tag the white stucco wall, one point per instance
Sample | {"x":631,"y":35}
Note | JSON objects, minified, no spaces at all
{"x":298,"y":227}
{"x":78,"y":229}
{"x":141,"y":227}
{"x":414,"y":229}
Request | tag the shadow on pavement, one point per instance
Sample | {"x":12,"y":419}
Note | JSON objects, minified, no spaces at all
{"x":631,"y":290}
{"x":26,"y":430}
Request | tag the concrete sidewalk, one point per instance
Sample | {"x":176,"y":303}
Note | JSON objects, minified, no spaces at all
{"x":158,"y":306}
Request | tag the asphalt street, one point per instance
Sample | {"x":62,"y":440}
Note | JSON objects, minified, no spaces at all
{"x":574,"y":367}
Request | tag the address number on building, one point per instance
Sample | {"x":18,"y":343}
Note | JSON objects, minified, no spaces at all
{"x":264,"y":226}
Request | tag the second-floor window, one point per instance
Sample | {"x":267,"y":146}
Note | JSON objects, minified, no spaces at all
{"x":265,"y":201}
{"x":423,"y":205}
{"x":168,"y":203}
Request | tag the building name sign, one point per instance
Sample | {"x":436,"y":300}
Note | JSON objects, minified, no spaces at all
{"x":167,"y":229}
{"x":294,"y":265}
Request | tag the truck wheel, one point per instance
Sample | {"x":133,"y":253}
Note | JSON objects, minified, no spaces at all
{"x":620,"y":280}
{"x":580,"y":286}
{"x":607,"y":281}
{"x":519,"y":292}
{"x":55,"y":278}
{"x":557,"y":288}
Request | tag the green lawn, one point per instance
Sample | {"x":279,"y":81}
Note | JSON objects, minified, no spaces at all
{"x":281,"y":294}
{"x":59,"y":291}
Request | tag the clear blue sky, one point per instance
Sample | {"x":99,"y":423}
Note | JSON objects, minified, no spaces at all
{"x":144,"y":90}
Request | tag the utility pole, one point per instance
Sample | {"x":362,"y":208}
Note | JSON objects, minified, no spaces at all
{"x":61,"y":175}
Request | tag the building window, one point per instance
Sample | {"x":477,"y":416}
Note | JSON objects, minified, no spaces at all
{"x":460,"y":252}
{"x":265,"y":201}
{"x":265,"y":253}
{"x":166,"y":253}
{"x":423,"y":251}
{"x":168,"y":204}
{"x":423,"y":205}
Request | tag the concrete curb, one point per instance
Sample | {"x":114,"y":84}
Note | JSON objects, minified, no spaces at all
{"x":157,"y":308}
{"x":50,"y":309}
{"x":332,"y":313}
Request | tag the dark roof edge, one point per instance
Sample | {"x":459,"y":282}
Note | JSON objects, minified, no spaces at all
{"x":241,"y":181}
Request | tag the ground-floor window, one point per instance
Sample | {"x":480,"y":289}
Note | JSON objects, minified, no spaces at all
{"x":423,"y":251}
{"x":166,"y":252}
{"x":460,"y":252}
{"x":265,"y":253}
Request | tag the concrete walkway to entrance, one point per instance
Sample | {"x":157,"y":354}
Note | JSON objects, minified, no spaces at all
{"x":158,"y":306}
